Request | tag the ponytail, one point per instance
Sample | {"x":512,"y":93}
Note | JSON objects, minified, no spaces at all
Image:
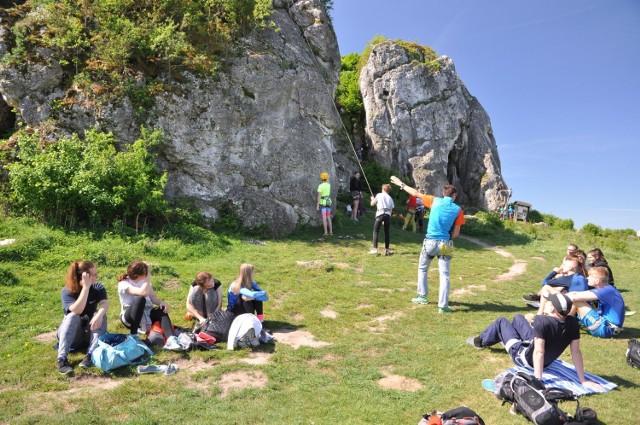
{"x":74,"y":275}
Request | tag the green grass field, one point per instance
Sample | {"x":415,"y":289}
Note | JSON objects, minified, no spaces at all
{"x":376,"y":332}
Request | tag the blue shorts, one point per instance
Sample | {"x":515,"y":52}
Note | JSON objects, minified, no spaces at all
{"x":597,"y":325}
{"x":325,"y":210}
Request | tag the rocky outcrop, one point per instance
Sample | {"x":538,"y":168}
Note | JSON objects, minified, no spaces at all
{"x":427,"y":125}
{"x":254,"y":138}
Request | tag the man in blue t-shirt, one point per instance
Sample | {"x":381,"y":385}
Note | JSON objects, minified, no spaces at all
{"x":445,"y":220}
{"x":607,"y":320}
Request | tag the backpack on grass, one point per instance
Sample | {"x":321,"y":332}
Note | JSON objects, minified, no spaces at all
{"x":217,"y":325}
{"x":533,"y":400}
{"x":458,"y":416}
{"x":633,"y":353}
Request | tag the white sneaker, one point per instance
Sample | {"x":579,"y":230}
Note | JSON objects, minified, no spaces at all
{"x":173,"y":344}
{"x":373,"y":251}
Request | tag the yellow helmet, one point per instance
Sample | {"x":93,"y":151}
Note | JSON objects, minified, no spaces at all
{"x":324,"y":176}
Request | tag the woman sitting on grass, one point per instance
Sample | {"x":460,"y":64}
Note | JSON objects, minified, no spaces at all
{"x":137,"y":300}
{"x":85,"y":306}
{"x":205,"y":296}
{"x":245,"y":296}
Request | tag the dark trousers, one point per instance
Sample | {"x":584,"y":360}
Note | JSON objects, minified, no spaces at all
{"x":134,"y":312}
{"x":515,"y":335}
{"x":380,"y":220}
{"x":251,"y":306}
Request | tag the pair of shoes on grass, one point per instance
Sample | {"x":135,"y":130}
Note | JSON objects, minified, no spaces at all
{"x":167,"y":370}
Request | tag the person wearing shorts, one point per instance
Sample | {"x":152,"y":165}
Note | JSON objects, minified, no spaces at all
{"x":606,"y":321}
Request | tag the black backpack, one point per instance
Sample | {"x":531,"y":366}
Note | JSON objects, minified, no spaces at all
{"x":217,"y":325}
{"x":537,"y":403}
{"x":633,"y":353}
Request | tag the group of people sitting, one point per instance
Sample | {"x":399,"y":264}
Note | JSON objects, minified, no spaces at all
{"x":85,"y":306}
{"x":578,"y":292}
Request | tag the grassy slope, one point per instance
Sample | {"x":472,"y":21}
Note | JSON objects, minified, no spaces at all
{"x":328,"y":385}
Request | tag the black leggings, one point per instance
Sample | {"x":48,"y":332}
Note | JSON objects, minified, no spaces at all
{"x":381,"y":219}
{"x":134,"y":312}
{"x":250,"y":306}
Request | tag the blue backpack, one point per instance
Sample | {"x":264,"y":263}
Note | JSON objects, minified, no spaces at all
{"x":119,"y":350}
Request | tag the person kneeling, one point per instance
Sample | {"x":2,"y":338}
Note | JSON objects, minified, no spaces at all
{"x":539,"y":344}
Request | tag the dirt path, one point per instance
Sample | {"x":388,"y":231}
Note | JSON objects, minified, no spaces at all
{"x":518,"y":268}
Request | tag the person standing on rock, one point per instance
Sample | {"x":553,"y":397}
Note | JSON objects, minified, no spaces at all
{"x":445,"y":220}
{"x":324,"y":203}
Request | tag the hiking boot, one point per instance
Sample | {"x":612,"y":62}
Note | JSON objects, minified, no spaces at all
{"x":531,"y":297}
{"x":420,"y":300}
{"x":475,"y":342}
{"x":373,"y":251}
{"x":86,"y":362}
{"x":445,"y":310}
{"x":64,"y":367}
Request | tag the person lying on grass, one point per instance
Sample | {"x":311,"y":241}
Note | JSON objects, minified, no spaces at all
{"x":566,"y":277}
{"x":536,"y":345}
{"x":606,"y":321}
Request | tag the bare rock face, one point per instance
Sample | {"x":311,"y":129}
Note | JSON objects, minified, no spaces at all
{"x":254,"y":138}
{"x":426,"y":125}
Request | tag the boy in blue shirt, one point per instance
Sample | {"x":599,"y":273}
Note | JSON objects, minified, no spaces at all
{"x":607,"y":320}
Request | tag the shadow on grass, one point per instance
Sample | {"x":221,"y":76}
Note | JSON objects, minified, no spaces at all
{"x":629,"y":333}
{"x":487,"y":306}
{"x":621,"y":382}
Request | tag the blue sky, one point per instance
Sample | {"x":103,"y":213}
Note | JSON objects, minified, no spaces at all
{"x":560,"y":81}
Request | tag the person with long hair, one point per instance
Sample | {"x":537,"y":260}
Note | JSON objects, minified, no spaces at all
{"x":245,"y":295}
{"x":140,"y":307}
{"x":205,"y":296}
{"x":595,"y":258}
{"x":85,"y":306}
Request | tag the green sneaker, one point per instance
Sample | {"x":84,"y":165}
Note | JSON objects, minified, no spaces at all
{"x":445,"y":310}
{"x":420,"y":300}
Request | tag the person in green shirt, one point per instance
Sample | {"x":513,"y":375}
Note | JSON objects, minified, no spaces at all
{"x":323,"y":202}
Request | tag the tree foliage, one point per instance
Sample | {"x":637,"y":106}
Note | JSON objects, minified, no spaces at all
{"x":87,"y":181}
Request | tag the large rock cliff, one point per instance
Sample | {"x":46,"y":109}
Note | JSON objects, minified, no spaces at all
{"x":422,"y":121}
{"x":254,"y":138}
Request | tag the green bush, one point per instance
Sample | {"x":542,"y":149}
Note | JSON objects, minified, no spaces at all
{"x":7,"y":278}
{"x":534,"y":216}
{"x":483,"y":223}
{"x":116,"y":35}
{"x":88,"y":181}
{"x":591,"y":229}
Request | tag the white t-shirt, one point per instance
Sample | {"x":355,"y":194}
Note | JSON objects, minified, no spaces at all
{"x":384,"y":202}
{"x":126,"y":299}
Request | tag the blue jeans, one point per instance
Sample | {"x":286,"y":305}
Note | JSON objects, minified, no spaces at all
{"x":430,"y":249}
{"x":75,"y":333}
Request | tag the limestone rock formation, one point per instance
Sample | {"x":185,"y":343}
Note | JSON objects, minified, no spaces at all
{"x":427,"y":125}
{"x":254,"y":138}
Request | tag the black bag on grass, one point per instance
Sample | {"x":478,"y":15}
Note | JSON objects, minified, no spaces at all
{"x":633,"y":353}
{"x":217,"y":325}
{"x":530,"y":399}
